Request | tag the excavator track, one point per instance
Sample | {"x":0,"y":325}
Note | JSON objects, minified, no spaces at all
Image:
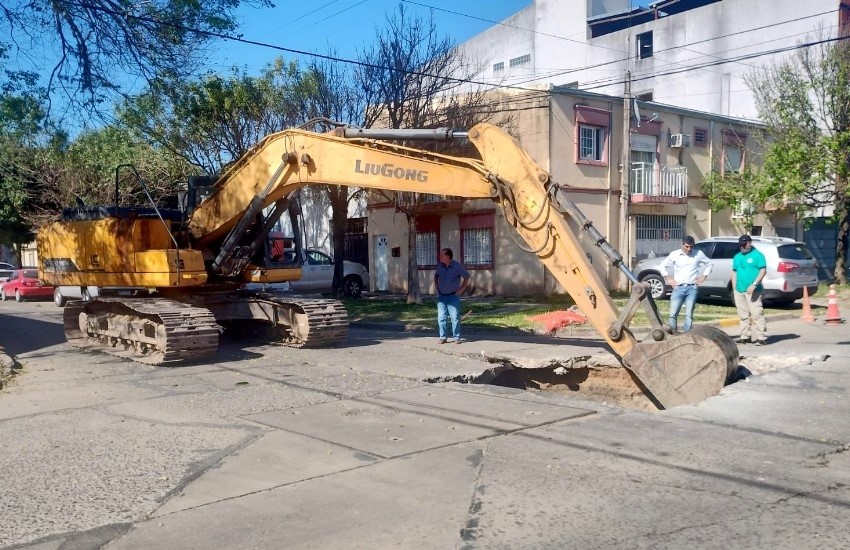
{"x":300,"y":322}
{"x":154,"y":331}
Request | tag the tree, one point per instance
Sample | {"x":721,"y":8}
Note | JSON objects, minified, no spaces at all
{"x":214,"y":120}
{"x":414,"y":78}
{"x":24,"y":143}
{"x":333,"y":98}
{"x":804,"y":102}
{"x":104,"y":47}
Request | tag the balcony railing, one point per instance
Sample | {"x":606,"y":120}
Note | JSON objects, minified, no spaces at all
{"x":655,"y":183}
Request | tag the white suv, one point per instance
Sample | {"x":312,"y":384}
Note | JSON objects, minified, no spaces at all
{"x":790,"y":267}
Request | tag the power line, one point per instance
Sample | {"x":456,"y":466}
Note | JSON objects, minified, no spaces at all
{"x":594,"y":66}
{"x":743,"y":57}
{"x":224,"y":36}
{"x":531,"y":91}
{"x":320,"y":8}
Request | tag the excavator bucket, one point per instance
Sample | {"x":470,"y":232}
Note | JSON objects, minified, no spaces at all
{"x":686,"y":368}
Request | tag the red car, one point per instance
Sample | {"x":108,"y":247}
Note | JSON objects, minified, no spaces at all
{"x":24,"y":283}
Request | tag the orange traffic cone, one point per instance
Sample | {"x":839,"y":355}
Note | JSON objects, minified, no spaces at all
{"x":832,"y":315}
{"x":807,"y":316}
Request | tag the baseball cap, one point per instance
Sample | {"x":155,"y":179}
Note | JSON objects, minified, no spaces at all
{"x":744,"y":239}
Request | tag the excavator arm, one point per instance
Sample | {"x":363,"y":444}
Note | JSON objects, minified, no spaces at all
{"x":673,"y":369}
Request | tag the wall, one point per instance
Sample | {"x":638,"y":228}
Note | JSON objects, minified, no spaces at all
{"x":562,"y":53}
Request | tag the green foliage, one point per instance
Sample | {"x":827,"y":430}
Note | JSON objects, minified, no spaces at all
{"x":220,"y":118}
{"x":89,"y":169}
{"x":805,"y":103}
{"x":747,"y":191}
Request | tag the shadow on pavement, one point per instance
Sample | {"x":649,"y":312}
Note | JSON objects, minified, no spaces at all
{"x":23,"y":335}
{"x":780,"y":337}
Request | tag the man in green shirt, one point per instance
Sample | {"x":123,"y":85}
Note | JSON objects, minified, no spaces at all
{"x":748,"y":269}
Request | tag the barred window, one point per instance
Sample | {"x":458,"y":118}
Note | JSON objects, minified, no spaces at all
{"x":590,"y":143}
{"x":476,"y":240}
{"x":427,"y":241}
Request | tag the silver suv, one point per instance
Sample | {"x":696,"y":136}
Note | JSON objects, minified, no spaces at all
{"x":790,"y":267}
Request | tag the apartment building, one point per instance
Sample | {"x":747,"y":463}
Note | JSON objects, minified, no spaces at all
{"x":580,"y":138}
{"x":694,"y":54}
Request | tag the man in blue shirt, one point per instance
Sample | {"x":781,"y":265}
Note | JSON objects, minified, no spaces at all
{"x":690,"y":269}
{"x":450,"y":279}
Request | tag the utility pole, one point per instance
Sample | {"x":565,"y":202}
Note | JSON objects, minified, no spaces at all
{"x":625,"y":173}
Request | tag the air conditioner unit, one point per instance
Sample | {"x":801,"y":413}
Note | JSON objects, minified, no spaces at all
{"x":680,"y":140}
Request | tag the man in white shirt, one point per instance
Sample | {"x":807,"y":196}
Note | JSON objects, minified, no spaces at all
{"x":690,"y":269}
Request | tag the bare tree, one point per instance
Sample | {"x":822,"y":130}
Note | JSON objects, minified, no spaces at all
{"x":414,"y":78}
{"x":333,"y":99}
{"x":105,"y":46}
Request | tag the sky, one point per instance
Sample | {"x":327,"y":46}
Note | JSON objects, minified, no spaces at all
{"x":344,"y":25}
{"x":348,"y":26}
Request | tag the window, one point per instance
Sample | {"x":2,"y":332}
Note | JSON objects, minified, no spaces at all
{"x":644,"y":45}
{"x":705,"y":248}
{"x":476,"y":240}
{"x":700,"y":137}
{"x":427,"y":241}
{"x":592,"y":135}
{"x":590,"y":142}
{"x":733,"y":159}
{"x":794,"y":252}
{"x":725,"y":250}
{"x":498,"y":68}
{"x":317,"y":258}
{"x":734,"y":155}
{"x":521,"y":60}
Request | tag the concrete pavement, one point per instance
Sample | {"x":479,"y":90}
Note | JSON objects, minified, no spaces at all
{"x":351,"y":448}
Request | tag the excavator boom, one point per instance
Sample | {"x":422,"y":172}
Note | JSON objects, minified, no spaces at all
{"x":226,"y":227}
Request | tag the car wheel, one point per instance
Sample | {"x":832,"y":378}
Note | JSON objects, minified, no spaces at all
{"x":352,"y":286}
{"x":18,"y":297}
{"x":58,"y":299}
{"x":2,"y":295}
{"x":656,"y":285}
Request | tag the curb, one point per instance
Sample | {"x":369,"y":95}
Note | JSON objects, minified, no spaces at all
{"x":569,"y":332}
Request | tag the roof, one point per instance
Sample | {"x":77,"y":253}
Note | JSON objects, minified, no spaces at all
{"x":651,"y":106}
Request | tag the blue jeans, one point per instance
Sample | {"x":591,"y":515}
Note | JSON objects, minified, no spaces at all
{"x":448,"y":306}
{"x":686,"y":294}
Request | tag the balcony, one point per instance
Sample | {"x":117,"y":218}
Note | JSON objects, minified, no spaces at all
{"x":655,"y":184}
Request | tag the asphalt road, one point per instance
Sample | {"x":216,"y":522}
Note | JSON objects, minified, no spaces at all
{"x":352,"y":447}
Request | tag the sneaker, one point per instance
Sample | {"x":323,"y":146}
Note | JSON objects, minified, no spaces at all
{"x":442,"y":341}
{"x":742,"y":341}
{"x":458,"y":340}
{"x":760,"y":342}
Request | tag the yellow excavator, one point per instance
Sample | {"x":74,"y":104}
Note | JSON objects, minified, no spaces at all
{"x":190,"y":262}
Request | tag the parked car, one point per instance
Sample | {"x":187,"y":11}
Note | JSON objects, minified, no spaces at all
{"x":317,"y":273}
{"x":24,"y":284}
{"x":790,"y":267}
{"x":61,"y":294}
{"x":5,"y":271}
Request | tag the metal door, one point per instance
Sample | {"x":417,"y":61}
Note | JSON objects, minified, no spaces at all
{"x":658,"y":235}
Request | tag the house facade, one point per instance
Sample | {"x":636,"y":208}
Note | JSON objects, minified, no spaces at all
{"x":582,"y":140}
